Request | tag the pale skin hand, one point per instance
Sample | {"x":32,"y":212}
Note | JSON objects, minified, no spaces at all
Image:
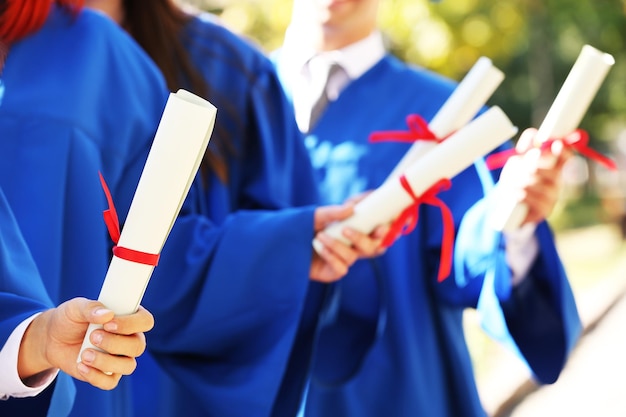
{"x":537,"y":175}
{"x":53,"y":340}
{"x":336,"y":257}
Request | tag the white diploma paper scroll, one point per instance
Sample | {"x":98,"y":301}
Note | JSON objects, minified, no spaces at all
{"x":563,"y":117}
{"x":445,"y":160}
{"x":179,"y":145}
{"x":463,"y":104}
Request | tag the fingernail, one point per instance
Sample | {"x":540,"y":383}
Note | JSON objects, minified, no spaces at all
{"x":110,"y":326}
{"x":88,"y":356}
{"x":82,"y":368}
{"x":101,"y":311}
{"x":348,"y":232}
{"x":96,"y":338}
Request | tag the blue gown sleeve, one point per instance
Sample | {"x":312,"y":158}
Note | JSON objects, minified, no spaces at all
{"x":216,"y":284}
{"x":537,"y":319}
{"x":541,"y":313}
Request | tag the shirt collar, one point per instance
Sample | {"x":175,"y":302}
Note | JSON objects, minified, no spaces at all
{"x":356,"y":59}
{"x":295,"y":56}
{"x":359,"y":57}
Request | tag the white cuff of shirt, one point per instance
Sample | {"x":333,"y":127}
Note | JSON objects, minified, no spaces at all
{"x":11,"y":385}
{"x":522,"y":248}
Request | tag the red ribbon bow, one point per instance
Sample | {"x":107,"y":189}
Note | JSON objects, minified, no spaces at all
{"x":407,"y":220}
{"x":112,"y":222}
{"x":578,"y":140}
{"x":418,"y":130}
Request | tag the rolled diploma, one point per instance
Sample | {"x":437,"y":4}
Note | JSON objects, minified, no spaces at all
{"x":445,"y":160}
{"x":179,"y":145}
{"x":463,"y":104}
{"x":563,"y":117}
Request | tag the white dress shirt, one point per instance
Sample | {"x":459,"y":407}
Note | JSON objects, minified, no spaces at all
{"x":300,"y":62}
{"x":10,"y":383}
{"x":303,"y":63}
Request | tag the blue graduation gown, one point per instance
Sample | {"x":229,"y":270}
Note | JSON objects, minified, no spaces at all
{"x":78,"y":97}
{"x":229,"y":288}
{"x":391,"y":339}
{"x":23,"y":294}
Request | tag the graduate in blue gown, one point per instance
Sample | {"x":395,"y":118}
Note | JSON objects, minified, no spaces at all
{"x":391,"y":341}
{"x":36,"y":340}
{"x":233,"y":274}
{"x":77,"y":97}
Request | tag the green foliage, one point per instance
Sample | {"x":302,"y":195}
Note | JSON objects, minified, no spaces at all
{"x":534,"y":42}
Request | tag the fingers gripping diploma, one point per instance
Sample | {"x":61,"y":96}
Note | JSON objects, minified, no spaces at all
{"x":60,"y":332}
{"x":536,"y":175}
{"x":334,"y":258}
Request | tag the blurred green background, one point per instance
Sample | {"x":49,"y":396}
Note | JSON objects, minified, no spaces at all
{"x":534,"y":42}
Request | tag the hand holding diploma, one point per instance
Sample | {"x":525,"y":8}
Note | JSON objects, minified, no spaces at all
{"x":53,"y":338}
{"x":564,"y":116}
{"x":333,"y":258}
{"x":179,"y":145}
{"x":533,"y":176}
{"x":446,"y":160}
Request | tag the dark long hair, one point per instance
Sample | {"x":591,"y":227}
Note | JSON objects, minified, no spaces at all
{"x":157,"y":27}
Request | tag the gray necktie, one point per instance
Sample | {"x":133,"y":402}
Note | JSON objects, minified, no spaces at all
{"x":320,"y":103}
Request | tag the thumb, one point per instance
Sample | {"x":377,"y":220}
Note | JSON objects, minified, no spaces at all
{"x":328,"y":214}
{"x":83,"y":310}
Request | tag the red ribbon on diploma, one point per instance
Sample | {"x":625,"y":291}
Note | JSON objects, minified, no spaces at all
{"x":418,"y":130}
{"x":578,"y":140}
{"x":407,"y":220}
{"x":112,"y":222}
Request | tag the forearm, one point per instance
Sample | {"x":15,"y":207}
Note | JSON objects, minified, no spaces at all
{"x":32,"y":357}
{"x":11,"y":385}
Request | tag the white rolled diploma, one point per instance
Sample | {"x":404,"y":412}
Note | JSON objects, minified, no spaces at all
{"x":179,"y":144}
{"x":463,"y":104}
{"x":563,"y":117}
{"x":447,"y":159}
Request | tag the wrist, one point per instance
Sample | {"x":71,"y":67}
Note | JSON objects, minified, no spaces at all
{"x":32,"y":356}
